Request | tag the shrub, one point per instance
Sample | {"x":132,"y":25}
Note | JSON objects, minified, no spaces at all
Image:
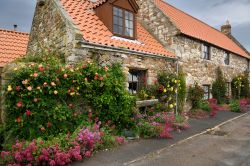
{"x":235,"y":106}
{"x":43,"y":100}
{"x":240,"y":86}
{"x":181,"y":92}
{"x":195,"y":95}
{"x":204,"y":105}
{"x":219,"y":88}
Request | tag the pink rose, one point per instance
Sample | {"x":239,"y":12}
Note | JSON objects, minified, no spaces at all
{"x":29,"y":88}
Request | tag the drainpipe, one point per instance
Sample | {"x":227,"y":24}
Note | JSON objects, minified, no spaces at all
{"x":177,"y":70}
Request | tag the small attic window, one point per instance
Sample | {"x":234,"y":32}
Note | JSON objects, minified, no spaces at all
{"x":123,"y":23}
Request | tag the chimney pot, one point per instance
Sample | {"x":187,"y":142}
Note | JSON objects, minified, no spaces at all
{"x":15,"y":27}
{"x":226,"y":29}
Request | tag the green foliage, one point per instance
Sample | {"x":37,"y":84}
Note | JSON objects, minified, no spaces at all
{"x":179,"y":119}
{"x":235,"y":106}
{"x":195,"y":95}
{"x":168,"y":87}
{"x":147,"y":130}
{"x":45,"y":99}
{"x":181,"y":92}
{"x":240,"y":86}
{"x":204,"y":105}
{"x":219,"y":88}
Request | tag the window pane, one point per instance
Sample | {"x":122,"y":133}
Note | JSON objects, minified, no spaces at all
{"x":115,"y":11}
{"x":116,"y":29}
{"x":115,"y":20}
{"x":120,"y":30}
{"x":120,"y":21}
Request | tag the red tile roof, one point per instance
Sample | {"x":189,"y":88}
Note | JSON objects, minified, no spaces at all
{"x":12,"y":45}
{"x":94,"y":30}
{"x":195,"y":28}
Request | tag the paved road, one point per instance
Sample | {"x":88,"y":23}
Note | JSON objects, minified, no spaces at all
{"x":229,"y":145}
{"x":132,"y":151}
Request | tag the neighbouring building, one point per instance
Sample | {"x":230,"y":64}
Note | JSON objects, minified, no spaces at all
{"x":145,"y":35}
{"x":13,"y":45}
{"x":199,"y":47}
{"x":107,"y":31}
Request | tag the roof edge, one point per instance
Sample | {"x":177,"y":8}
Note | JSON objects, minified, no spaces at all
{"x":12,"y":31}
{"x":123,"y":50}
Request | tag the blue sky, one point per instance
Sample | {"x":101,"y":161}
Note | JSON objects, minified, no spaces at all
{"x":214,"y":12}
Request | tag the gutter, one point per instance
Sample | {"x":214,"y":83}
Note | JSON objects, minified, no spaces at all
{"x":84,"y":44}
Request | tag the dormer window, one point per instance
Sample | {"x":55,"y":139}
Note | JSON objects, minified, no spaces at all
{"x":123,"y":22}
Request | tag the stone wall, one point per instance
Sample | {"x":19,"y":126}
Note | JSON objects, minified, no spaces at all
{"x":53,"y":28}
{"x":201,"y":70}
{"x":189,"y":50}
{"x":155,"y":21}
{"x":128,"y":61}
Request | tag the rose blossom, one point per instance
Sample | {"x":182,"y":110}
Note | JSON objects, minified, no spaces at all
{"x":19,"y":104}
{"x":35,"y":75}
{"x":29,"y":88}
{"x":18,"y":88}
{"x":28,"y":112}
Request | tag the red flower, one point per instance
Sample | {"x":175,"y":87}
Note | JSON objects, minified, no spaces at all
{"x":18,"y":88}
{"x":28,"y":112}
{"x":49,"y":124}
{"x":19,"y":120}
{"x":19,"y":104}
{"x":41,"y":69}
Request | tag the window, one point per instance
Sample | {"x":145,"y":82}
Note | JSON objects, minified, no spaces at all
{"x":227,"y":58}
{"x":206,"y":52}
{"x":228,"y":88}
{"x":123,"y":22}
{"x":206,"y":89}
{"x":137,"y":80}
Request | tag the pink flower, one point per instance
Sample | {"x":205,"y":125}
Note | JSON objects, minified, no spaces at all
{"x":4,"y":154}
{"x":87,"y":154}
{"x":106,"y":68}
{"x":19,"y":120}
{"x":19,"y":104}
{"x":35,"y":75}
{"x":29,"y":88}
{"x":35,"y":100}
{"x":120,"y":140}
{"x":65,"y":75}
{"x":52,"y":163}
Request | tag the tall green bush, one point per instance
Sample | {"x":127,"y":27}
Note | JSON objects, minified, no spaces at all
{"x":219,"y":88}
{"x":181,"y":91}
{"x":195,"y":95}
{"x":240,"y":86}
{"x":48,"y":97}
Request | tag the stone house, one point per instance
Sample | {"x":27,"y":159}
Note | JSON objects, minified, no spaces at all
{"x":145,"y":35}
{"x":107,"y":31}
{"x":199,"y":47}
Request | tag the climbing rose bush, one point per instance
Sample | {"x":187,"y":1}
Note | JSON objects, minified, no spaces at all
{"x":45,"y":99}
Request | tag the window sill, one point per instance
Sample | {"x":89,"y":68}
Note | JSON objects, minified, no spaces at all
{"x":126,"y":39}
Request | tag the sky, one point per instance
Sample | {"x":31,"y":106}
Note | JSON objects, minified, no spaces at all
{"x":213,"y":12}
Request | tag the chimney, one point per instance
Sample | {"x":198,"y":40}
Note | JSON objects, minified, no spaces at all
{"x":226,"y":29}
{"x":15,"y":27}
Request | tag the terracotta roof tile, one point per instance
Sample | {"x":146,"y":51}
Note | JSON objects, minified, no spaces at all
{"x":94,"y":31}
{"x":195,"y":28}
{"x":12,"y":45}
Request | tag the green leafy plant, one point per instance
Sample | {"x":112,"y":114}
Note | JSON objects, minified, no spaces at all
{"x":235,"y":106}
{"x":195,"y":95}
{"x":204,"y":105}
{"x":240,"y":86}
{"x":181,"y":91}
{"x":47,"y":98}
{"x":219,"y":88}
